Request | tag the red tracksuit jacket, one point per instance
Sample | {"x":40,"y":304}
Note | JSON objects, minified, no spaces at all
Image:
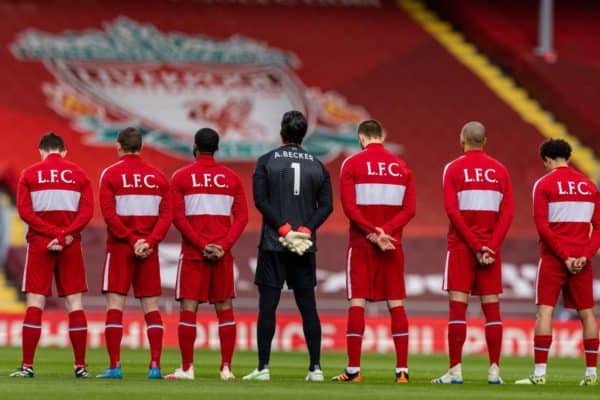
{"x":135,"y":201}
{"x":478,"y":198}
{"x":565,"y":202}
{"x":377,"y":190}
{"x":55,"y":199}
{"x":206,"y":197}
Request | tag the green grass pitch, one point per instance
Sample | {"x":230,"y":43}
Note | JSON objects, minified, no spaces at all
{"x":54,"y":379}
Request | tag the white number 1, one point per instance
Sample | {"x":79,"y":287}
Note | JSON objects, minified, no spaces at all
{"x":296,"y":168}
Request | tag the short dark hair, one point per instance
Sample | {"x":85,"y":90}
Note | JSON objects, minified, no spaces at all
{"x":293,"y":127}
{"x":206,"y":140}
{"x":130,"y":140}
{"x":370,"y":128}
{"x":51,"y":141}
{"x":555,"y":148}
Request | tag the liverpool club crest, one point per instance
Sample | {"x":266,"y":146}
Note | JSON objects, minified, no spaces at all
{"x":170,"y":84}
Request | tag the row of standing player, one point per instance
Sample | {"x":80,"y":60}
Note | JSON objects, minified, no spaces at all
{"x":293,"y":193}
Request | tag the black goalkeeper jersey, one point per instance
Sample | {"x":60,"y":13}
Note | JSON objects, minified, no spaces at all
{"x":291,"y":186}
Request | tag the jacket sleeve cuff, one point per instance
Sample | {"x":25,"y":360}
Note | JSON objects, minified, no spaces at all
{"x":495,"y":248}
{"x":563,"y":255}
{"x":589,"y":254}
{"x":387,"y":229}
{"x":61,"y":239}
{"x":304,"y":229}
{"x":199,"y":244}
{"x":224,"y":245}
{"x":476,"y":247}
{"x":56,"y":232}
{"x":284,"y":229}
{"x":132,"y":240}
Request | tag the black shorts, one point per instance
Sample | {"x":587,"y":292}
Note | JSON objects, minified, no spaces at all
{"x":274,"y":268}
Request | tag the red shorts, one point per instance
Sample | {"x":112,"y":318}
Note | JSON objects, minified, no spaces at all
{"x":553,"y":276}
{"x":66,"y":266}
{"x":375,"y":275}
{"x":204,"y":281}
{"x":464,"y":274}
{"x":122,"y":269}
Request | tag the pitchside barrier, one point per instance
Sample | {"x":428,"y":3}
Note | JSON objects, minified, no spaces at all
{"x":427,"y":335}
{"x":424,"y":274}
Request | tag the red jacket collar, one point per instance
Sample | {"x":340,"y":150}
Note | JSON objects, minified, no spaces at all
{"x":374,"y":146}
{"x":205,"y":159}
{"x":130,"y":156}
{"x":53,"y":157}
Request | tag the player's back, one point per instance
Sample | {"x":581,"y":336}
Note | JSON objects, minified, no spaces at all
{"x":294,"y":180}
{"x":380,"y":181}
{"x":138,"y":189}
{"x":54,"y":187}
{"x":209,"y":191}
{"x":569,"y":198}
{"x":478,"y":183}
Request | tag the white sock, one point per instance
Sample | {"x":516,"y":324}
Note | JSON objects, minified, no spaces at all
{"x":590,"y":371}
{"x":353,"y":370}
{"x":398,"y":370}
{"x":540,"y":369}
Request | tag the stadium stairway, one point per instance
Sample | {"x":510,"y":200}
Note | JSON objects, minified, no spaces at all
{"x":503,"y":85}
{"x":9,"y":297}
{"x":9,"y":294}
{"x":506,"y":30}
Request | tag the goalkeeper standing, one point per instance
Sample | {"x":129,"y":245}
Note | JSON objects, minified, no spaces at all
{"x":292,"y":191}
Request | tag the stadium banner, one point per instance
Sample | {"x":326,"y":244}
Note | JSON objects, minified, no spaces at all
{"x":424,"y":274}
{"x":427,"y":335}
